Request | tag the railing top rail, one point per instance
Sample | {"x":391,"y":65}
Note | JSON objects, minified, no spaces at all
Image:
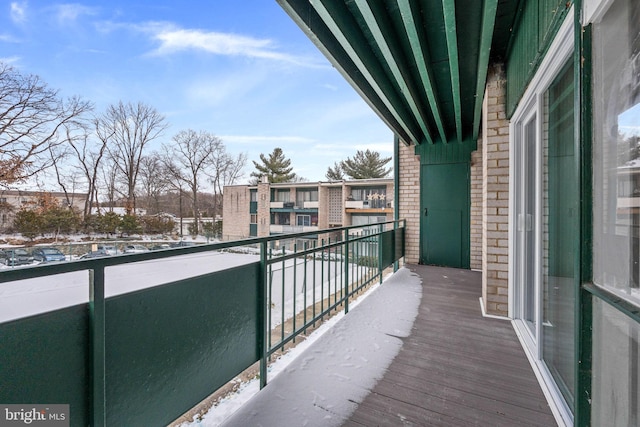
{"x":41,"y":270}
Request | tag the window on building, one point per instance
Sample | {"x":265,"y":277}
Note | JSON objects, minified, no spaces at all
{"x":306,"y":195}
{"x":254,"y":219}
{"x":279,"y":195}
{"x":303,"y":220}
{"x":616,"y":213}
{"x":374,"y":197}
{"x":280,"y":218}
{"x":253,"y":195}
{"x":616,"y":157}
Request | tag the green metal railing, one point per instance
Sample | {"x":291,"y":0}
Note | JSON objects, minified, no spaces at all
{"x":146,"y":356}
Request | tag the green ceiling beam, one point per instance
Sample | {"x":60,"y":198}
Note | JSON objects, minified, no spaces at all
{"x":407,"y":93}
{"x":345,"y":43}
{"x":422,"y":61}
{"x":488,"y":22}
{"x":449,"y":10}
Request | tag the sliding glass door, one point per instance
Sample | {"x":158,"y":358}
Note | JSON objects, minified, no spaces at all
{"x":546,"y":228}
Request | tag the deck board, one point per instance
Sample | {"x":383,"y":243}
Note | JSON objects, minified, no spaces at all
{"x":456,"y":368}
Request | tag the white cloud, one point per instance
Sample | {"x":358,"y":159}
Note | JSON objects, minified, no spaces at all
{"x":226,"y":44}
{"x":10,"y":60}
{"x":71,"y":11}
{"x":18,"y":11}
{"x":173,"y":39}
{"x":8,"y":38}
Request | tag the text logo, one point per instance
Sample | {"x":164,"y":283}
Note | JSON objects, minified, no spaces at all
{"x":34,"y":415}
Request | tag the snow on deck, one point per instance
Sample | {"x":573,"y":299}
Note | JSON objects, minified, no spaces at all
{"x":321,"y":381}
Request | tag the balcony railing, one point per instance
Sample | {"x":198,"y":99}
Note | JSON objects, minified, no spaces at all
{"x":140,"y":339}
{"x":368,"y":204}
{"x":276,"y":228}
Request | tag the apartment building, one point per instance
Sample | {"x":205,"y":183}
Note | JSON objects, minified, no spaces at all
{"x":269,"y":209}
{"x":11,"y":201}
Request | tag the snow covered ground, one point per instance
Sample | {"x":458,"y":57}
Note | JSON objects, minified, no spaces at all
{"x":28,"y":297}
{"x":322,"y":380}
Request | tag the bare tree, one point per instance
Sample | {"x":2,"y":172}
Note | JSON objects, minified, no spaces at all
{"x":153,"y":180}
{"x":226,"y":170}
{"x":89,"y":154}
{"x":109,"y":173}
{"x":33,"y":119}
{"x":131,"y":127}
{"x":188,"y":159}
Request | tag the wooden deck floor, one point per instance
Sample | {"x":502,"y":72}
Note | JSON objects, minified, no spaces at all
{"x":456,"y":368}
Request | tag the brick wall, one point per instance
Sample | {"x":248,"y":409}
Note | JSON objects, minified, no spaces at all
{"x":476,"y":208}
{"x":235,"y":213}
{"x":495,"y":194}
{"x":409,"y":200}
{"x":264,"y":208}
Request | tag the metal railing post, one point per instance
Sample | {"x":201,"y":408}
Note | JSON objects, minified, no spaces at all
{"x":380,"y":229}
{"x":346,"y":271}
{"x":97,"y":316}
{"x":265,"y":315}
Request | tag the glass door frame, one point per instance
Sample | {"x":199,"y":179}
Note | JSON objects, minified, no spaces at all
{"x":526,"y":267}
{"x":532,"y":103}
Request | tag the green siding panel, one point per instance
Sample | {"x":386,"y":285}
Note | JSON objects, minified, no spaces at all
{"x":170,"y":346}
{"x":453,"y":152}
{"x":44,"y":359}
{"x":392,"y":246}
{"x":537,"y":24}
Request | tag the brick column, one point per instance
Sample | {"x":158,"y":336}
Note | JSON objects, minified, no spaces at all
{"x":495,"y":194}
{"x":409,"y":200}
{"x":264,"y":208}
{"x":476,"y":208}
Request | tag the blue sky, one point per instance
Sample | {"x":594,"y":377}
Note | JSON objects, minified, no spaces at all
{"x":241,"y":70}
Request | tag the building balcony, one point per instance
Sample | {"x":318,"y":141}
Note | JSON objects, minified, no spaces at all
{"x":294,"y":207}
{"x":415,"y":351}
{"x":281,"y":229}
{"x":368,"y":206}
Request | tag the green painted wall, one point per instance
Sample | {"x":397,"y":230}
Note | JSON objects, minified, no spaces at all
{"x":44,"y":359}
{"x":453,"y":152}
{"x":170,"y":346}
{"x":536,"y":25}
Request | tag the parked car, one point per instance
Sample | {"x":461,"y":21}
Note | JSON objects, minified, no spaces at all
{"x":160,"y":247}
{"x":135,"y":249}
{"x":109,"y":249}
{"x":182,"y":244}
{"x":47,"y":255}
{"x":95,"y":254}
{"x":17,"y":256}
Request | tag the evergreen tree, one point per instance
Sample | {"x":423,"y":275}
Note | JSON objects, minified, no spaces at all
{"x":276,"y":167}
{"x":57,"y":220}
{"x":366,"y":164}
{"x":335,"y":173}
{"x":28,"y":223}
